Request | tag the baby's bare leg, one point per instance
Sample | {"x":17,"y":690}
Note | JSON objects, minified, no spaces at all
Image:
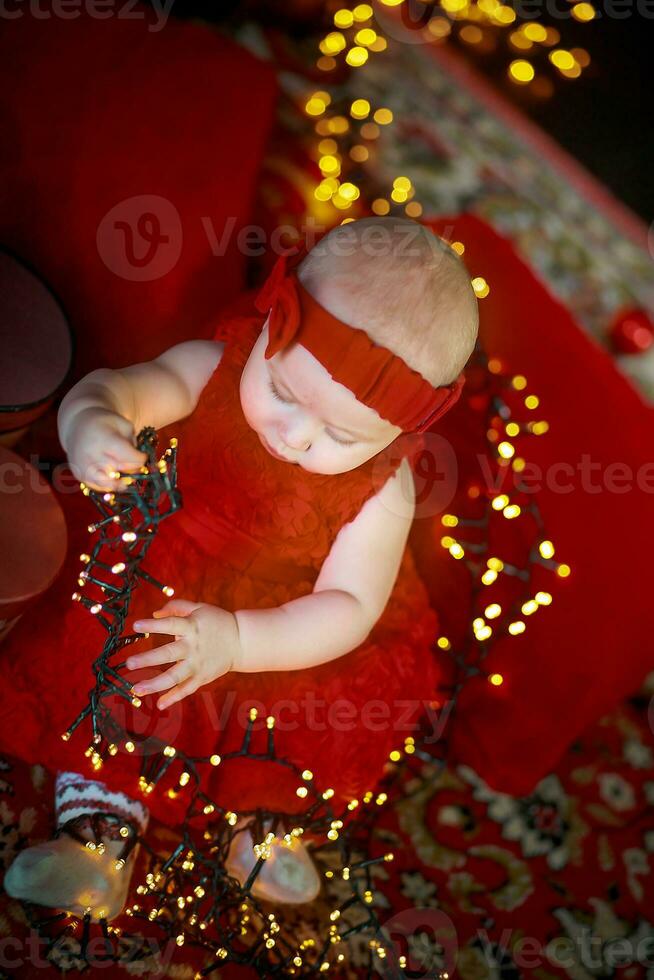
{"x":64,"y":873}
{"x":288,"y":875}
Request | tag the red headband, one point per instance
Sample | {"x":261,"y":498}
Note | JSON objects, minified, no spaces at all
{"x":377,"y":377}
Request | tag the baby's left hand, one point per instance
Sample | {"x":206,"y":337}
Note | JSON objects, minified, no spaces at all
{"x":207,"y":646}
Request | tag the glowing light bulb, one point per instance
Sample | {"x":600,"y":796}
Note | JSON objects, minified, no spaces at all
{"x":366,"y":36}
{"x":583,"y":12}
{"x":383,"y":117}
{"x":343,"y":18}
{"x":562,"y":59}
{"x":356,"y":57}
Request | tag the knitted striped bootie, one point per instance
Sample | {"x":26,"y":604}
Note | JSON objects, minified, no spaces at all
{"x":87,"y":866}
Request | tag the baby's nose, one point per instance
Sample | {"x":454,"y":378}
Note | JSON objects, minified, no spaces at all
{"x":298,"y":437}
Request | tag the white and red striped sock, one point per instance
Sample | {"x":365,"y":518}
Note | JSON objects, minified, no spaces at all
{"x":75,"y":794}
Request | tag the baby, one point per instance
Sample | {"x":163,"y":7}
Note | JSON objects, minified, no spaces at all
{"x":390,"y":280}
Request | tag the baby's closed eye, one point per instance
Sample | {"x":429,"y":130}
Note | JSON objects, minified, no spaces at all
{"x":287,"y":401}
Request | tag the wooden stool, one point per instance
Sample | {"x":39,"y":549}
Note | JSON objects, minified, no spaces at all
{"x":33,"y":537}
{"x":37,"y":348}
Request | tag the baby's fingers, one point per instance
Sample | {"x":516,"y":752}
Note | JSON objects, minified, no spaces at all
{"x":166,"y":654}
{"x":127,"y":457}
{"x":180,"y":672}
{"x":177,"y":607}
{"x":174,"y":625}
{"x":177,"y":694}
{"x":100,"y":476}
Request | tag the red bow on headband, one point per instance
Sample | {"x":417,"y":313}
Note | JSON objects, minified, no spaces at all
{"x":279,"y":295}
{"x":376,"y":376}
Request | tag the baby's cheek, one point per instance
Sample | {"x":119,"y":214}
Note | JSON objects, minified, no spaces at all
{"x":250,"y":409}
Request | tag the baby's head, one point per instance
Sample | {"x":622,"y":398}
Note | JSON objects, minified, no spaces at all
{"x":410,"y":292}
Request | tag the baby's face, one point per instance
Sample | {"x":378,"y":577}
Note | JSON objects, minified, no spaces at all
{"x":302,"y":415}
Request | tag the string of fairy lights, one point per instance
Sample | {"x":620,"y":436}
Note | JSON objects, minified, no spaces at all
{"x":347,"y":128}
{"x":491,"y":620}
{"x":536,"y":57}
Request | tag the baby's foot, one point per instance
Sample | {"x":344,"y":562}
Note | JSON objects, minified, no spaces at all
{"x":65,"y":874}
{"x":288,"y":875}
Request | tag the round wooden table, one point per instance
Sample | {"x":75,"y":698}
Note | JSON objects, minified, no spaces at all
{"x":36,"y":344}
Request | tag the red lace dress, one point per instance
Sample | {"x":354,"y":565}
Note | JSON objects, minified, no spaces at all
{"x":253,"y":533}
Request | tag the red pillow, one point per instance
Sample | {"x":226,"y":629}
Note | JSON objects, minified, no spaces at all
{"x":588,"y":650}
{"x":128,"y":166}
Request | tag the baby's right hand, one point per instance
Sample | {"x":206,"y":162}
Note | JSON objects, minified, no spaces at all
{"x":99,"y":443}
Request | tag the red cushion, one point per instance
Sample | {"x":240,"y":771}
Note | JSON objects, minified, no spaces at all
{"x":590,"y":649}
{"x":99,"y":112}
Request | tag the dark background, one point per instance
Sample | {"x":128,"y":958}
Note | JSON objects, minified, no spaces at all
{"x":604,"y":118}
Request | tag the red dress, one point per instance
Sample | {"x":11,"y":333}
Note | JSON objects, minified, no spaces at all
{"x":253,"y":533}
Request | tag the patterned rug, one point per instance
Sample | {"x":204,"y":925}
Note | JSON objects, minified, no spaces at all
{"x":483,"y":885}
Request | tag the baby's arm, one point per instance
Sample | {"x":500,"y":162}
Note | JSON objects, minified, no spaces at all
{"x":349,"y":595}
{"x":100,"y":415}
